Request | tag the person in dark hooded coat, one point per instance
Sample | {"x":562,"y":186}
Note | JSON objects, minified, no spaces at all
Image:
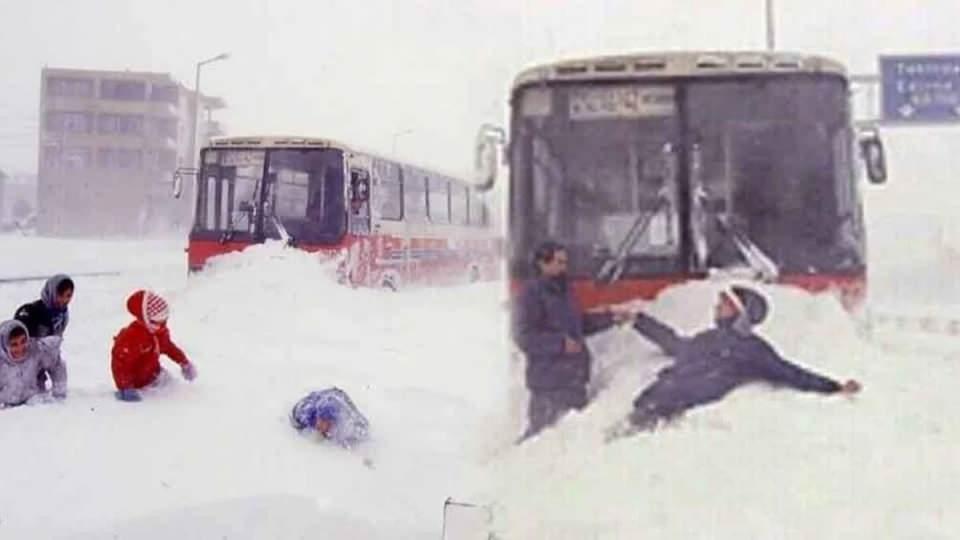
{"x":714,"y":362}
{"x":49,"y":315}
{"x":550,"y":329}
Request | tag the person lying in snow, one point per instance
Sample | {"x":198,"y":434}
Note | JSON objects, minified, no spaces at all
{"x":714,"y":362}
{"x":135,"y":357}
{"x":331,"y":414}
{"x":21,"y":358}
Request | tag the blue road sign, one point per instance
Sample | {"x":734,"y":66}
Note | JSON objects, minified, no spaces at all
{"x":921,"y":88}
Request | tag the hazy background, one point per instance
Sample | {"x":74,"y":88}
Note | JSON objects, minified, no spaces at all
{"x":365,"y":71}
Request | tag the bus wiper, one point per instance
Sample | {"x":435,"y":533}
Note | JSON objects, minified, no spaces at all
{"x":759,"y":261}
{"x":281,"y":230}
{"x":613,"y":267}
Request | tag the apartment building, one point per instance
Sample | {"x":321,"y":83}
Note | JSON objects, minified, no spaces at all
{"x":109,"y":142}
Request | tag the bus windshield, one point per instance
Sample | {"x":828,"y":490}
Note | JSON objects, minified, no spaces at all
{"x":306,"y":194}
{"x":623,"y":170}
{"x":300,"y":191}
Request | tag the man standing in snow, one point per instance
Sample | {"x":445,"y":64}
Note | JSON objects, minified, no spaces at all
{"x":21,"y":358}
{"x":714,"y":362}
{"x":49,"y":315}
{"x":550,"y":329}
{"x":331,"y":414}
{"x":135,"y":357}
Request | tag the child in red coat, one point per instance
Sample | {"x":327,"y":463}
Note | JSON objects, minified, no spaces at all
{"x":137,"y":348}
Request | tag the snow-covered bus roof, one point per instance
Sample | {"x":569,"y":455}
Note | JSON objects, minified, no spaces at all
{"x":298,"y":141}
{"x":678,"y":64}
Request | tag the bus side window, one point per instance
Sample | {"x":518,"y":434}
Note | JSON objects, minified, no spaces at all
{"x":414,"y":196}
{"x":359,"y":190}
{"x":388,"y":194}
{"x":438,"y":198}
{"x":458,"y":204}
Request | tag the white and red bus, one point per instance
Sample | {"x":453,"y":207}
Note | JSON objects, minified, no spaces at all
{"x":658,"y":168}
{"x":393,"y":222}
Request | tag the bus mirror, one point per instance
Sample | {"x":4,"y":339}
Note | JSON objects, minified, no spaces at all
{"x":871,"y":149}
{"x":177,"y":184}
{"x":488,"y":142}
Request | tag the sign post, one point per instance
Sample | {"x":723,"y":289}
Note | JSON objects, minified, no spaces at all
{"x":920,"y":89}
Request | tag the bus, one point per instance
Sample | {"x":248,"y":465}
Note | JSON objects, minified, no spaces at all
{"x":391,"y":223}
{"x":658,"y":168}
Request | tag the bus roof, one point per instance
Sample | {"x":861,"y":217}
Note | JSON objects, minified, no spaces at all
{"x":299,"y":141}
{"x":275,"y":141}
{"x":678,"y":64}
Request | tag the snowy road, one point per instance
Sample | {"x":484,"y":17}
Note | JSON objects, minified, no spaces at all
{"x":217,"y":458}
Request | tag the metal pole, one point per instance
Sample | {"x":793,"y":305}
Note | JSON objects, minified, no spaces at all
{"x":194,"y":160}
{"x":393,"y":147}
{"x":770,"y":24}
{"x":195,"y":110}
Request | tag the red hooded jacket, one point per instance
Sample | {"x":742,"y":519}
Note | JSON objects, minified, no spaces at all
{"x":136,"y":349}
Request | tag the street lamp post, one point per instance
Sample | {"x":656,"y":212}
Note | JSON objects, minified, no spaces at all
{"x":196,"y":107}
{"x":770,"y":24}
{"x":393,"y":147}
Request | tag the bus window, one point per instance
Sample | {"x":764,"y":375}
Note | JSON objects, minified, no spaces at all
{"x":211,"y":209}
{"x":414,"y":196}
{"x":388,"y":191}
{"x":228,"y":189}
{"x":439,"y":198}
{"x":309,"y":193}
{"x":359,"y":201}
{"x":478,"y":211}
{"x":458,"y":205}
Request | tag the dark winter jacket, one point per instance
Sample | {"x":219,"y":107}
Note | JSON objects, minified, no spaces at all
{"x":546,"y":313}
{"x":43,"y":318}
{"x":710,"y":364}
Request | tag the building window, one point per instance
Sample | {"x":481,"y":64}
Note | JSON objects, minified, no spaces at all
{"x":123,"y":90}
{"x":164,"y":160}
{"x":51,"y":156}
{"x":126,"y":124}
{"x":76,"y":158}
{"x":66,"y":158}
{"x":69,"y":87}
{"x":168,"y":93}
{"x":119,"y":158}
{"x":70,"y":122}
{"x":164,"y":127}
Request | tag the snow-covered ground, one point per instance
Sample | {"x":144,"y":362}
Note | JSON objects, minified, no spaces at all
{"x":217,"y":458}
{"x":760,"y":464}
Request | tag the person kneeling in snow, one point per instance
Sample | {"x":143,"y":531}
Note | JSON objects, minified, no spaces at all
{"x":137,"y":348}
{"x":21,"y":359}
{"x":714,"y":362}
{"x":331,"y":414}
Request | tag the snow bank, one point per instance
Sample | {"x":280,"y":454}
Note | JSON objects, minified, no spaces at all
{"x":762,"y":463}
{"x":264,"y":327}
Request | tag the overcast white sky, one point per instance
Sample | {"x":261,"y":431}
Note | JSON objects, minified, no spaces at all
{"x":362,"y":71}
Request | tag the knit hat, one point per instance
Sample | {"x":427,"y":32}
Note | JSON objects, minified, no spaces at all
{"x":149,"y":307}
{"x":750,"y":302}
